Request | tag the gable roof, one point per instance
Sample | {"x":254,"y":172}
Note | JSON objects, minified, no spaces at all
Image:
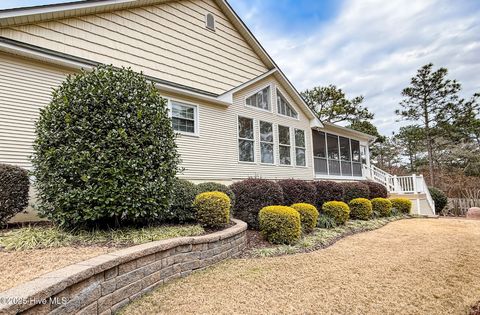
{"x":27,"y":15}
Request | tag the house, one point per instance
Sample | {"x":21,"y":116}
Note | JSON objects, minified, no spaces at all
{"x":236,"y":113}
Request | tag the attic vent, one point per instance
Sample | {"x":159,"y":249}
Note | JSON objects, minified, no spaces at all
{"x":210,"y":20}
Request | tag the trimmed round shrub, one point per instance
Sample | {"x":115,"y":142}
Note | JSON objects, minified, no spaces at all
{"x":105,"y":151}
{"x":337,"y":210}
{"x":184,"y":193}
{"x":377,"y":190}
{"x":14,"y":185}
{"x":280,"y":224}
{"x":297,"y":191}
{"x":308,"y":216}
{"x":327,"y":191}
{"x":403,"y":205}
{"x":360,"y":209}
{"x":212,"y":209}
{"x":252,"y":195}
{"x":382,"y":207}
{"x":353,"y":190}
{"x":439,"y":198}
{"x":212,"y":186}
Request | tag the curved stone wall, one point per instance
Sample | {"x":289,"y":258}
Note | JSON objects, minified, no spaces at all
{"x":104,"y":284}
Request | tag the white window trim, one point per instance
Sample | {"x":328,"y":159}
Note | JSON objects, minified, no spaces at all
{"x":254,"y":141}
{"x":290,"y":145}
{"x":214,"y":22}
{"x":272,"y":143}
{"x":196,"y":110}
{"x":295,"y":147}
{"x":277,"y":90}
{"x":255,"y":92}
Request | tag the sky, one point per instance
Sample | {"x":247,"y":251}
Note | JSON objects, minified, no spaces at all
{"x":366,"y":47}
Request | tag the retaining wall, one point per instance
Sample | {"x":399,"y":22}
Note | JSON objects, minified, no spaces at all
{"x":104,"y":284}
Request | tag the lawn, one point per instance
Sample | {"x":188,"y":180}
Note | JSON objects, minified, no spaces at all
{"x":416,"y":266}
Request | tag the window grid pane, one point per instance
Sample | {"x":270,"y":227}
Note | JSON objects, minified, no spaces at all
{"x":261,"y":99}
{"x":284,"y":135}
{"x":284,"y":152}
{"x":284,"y":108}
{"x":266,"y":142}
{"x":183,"y":118}
{"x":246,"y":143}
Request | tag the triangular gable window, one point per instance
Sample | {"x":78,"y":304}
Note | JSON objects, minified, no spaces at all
{"x":260,"y":99}
{"x":284,"y":108}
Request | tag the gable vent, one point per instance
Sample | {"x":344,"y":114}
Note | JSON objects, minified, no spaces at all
{"x":210,"y":21}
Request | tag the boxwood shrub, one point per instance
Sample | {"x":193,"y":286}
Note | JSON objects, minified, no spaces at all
{"x":297,"y":191}
{"x":439,"y":198}
{"x":105,"y":151}
{"x":280,"y":224}
{"x":252,"y":195}
{"x":14,"y":185}
{"x":377,"y":190}
{"x":337,"y":210}
{"x":402,"y":205}
{"x":327,"y":191}
{"x":360,"y":209}
{"x":353,"y":190}
{"x":184,"y":193}
{"x":308,"y":216}
{"x":212,"y":209}
{"x":382,"y":207}
{"x":212,"y":186}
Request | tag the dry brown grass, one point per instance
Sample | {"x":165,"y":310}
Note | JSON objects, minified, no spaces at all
{"x":21,"y":266}
{"x":419,"y":266}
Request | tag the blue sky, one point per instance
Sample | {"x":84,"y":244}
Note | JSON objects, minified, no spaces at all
{"x":367,"y":47}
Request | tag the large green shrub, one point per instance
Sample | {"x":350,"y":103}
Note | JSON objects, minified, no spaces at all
{"x":338,"y":210}
{"x":212,"y":209}
{"x":308,"y":216}
{"x":382,"y":207}
{"x":105,"y":150}
{"x":327,"y":191}
{"x":184,"y":193}
{"x":14,"y":184}
{"x":377,"y":190}
{"x":252,"y":195}
{"x":212,"y":186}
{"x":297,"y":191}
{"x":280,"y":224}
{"x":402,"y":205}
{"x":439,"y":198}
{"x":353,"y":190}
{"x":360,"y":209}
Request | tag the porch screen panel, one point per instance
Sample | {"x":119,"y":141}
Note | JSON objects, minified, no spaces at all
{"x":345,"y":156}
{"x":356,"y":159}
{"x":320,"y":152}
{"x":333,"y":155}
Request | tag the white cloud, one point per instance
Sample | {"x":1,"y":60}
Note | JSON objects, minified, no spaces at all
{"x":374,"y":47}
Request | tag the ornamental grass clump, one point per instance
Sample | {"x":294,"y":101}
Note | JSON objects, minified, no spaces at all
{"x":105,"y":152}
{"x":382,"y":207}
{"x":338,"y":210}
{"x":403,"y":205}
{"x":212,"y":209}
{"x":14,"y":185}
{"x":308,"y":216}
{"x":360,"y":209}
{"x":280,"y":224}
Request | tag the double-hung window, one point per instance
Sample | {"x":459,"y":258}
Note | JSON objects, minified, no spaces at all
{"x":246,"y":140}
{"x":184,"y":118}
{"x":284,"y":108}
{"x":260,"y":99}
{"x":266,"y":142}
{"x":300,"y":147}
{"x":284,"y":145}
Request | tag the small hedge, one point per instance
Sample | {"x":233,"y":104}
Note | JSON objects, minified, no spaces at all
{"x":308,"y":216}
{"x":280,"y":224}
{"x":327,"y":191}
{"x":439,"y":198}
{"x":377,"y":190}
{"x":403,"y":205}
{"x":338,"y":210}
{"x":184,"y":193}
{"x":353,"y":190}
{"x":297,"y":191}
{"x":252,"y":195}
{"x":14,"y":185}
{"x":361,"y":209}
{"x":212,"y":186}
{"x":212,"y":209}
{"x":382,"y":207}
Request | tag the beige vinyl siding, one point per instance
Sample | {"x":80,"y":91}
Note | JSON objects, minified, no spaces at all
{"x":167,"y":41}
{"x":25,"y":87}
